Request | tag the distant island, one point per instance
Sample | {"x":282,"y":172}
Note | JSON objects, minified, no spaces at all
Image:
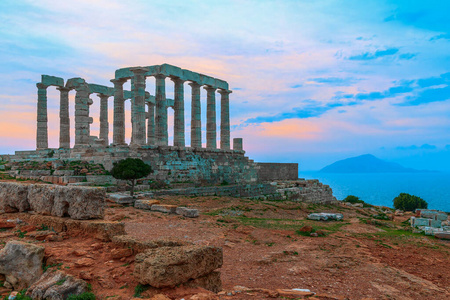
{"x":367,"y":163}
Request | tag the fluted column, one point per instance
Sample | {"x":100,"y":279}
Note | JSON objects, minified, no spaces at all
{"x":162,"y":137}
{"x":64,"y":119}
{"x":119,"y":112}
{"x":211,"y":130}
{"x":225,"y":119}
{"x":138,"y":136}
{"x":196,"y":121}
{"x":178,"y":136}
{"x":151,"y":124}
{"x":104,"y":125}
{"x":82,"y":119}
{"x":42,"y":120}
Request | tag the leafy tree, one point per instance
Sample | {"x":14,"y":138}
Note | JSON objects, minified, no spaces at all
{"x":130,"y":169}
{"x":409,"y":202}
{"x":353,"y":199}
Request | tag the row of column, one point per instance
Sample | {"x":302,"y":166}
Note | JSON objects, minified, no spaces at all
{"x":157,"y":133}
{"x":157,"y":125}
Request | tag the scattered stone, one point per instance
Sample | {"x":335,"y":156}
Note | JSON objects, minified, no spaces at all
{"x":84,"y":262}
{"x":204,"y":296}
{"x":120,"y":253}
{"x":314,"y":234}
{"x":121,"y":199}
{"x":294,"y":292}
{"x":145,"y":204}
{"x":325,"y":216}
{"x":22,"y":263}
{"x":41,"y":235}
{"x":306,"y":229}
{"x":187,"y":212}
{"x":170,"y":266}
{"x":79,"y":252}
{"x":56,"y":285}
{"x":170,"y":209}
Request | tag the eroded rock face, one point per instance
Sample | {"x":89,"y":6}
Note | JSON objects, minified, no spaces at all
{"x":170,"y":266}
{"x":79,"y":203}
{"x":13,"y":197}
{"x":41,"y":198}
{"x":21,"y":263}
{"x":56,"y":285}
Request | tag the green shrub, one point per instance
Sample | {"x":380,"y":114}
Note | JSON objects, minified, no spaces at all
{"x":409,"y":202}
{"x":353,"y":199}
{"x":84,"y":296}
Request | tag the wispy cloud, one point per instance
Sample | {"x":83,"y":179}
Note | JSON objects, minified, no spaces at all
{"x":414,"y":147}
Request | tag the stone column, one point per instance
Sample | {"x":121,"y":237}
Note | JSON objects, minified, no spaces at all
{"x":82,"y":120}
{"x":151,"y":124}
{"x":211,"y":131}
{"x":178,"y":136}
{"x":64,"y":119}
{"x":237,"y":144}
{"x":119,"y":112}
{"x":162,"y":137}
{"x":196,"y":121}
{"x":42,"y":131}
{"x":224,"y":119}
{"x":138,"y":136}
{"x":104,"y":125}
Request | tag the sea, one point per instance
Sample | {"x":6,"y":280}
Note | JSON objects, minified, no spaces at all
{"x":382,"y":188}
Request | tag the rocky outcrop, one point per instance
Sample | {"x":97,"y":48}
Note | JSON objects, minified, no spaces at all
{"x":21,"y":263}
{"x":170,"y":266}
{"x":56,"y":285}
{"x":126,"y":241}
{"x":78,"y":203}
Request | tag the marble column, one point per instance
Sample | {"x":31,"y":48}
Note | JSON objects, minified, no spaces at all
{"x":42,"y":120}
{"x":64,"y":119}
{"x":119,"y":112}
{"x":224,"y":119}
{"x":211,"y":131}
{"x":151,"y":124}
{"x":196,"y":121}
{"x":162,"y":137}
{"x":104,"y":125}
{"x":138,"y":134}
{"x":178,"y":136}
{"x":82,"y":119}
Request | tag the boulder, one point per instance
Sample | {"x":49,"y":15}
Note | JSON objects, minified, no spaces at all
{"x":79,"y":203}
{"x":21,"y":263}
{"x":145,"y":204}
{"x":325,"y":216}
{"x":187,"y":212}
{"x":210,"y":282}
{"x":13,"y":197}
{"x":56,"y":285}
{"x":170,"y":266}
{"x":170,"y":209}
{"x":121,"y":199}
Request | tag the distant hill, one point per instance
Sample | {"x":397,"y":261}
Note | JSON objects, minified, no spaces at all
{"x":366,"y":163}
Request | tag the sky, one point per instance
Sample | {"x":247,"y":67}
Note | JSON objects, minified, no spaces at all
{"x":313,"y":81}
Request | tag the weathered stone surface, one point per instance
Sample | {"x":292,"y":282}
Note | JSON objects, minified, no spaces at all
{"x":145,"y":204}
{"x":21,"y":263}
{"x":13,"y":197}
{"x":126,"y":241}
{"x":325,"y":216}
{"x":187,"y":212}
{"x":121,"y":199}
{"x":170,"y":209}
{"x":56,"y":285}
{"x":79,"y":203}
{"x":170,"y":266}
{"x":41,"y":198}
{"x":210,"y":282}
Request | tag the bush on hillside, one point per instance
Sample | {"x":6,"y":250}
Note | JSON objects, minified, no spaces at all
{"x":353,"y":199}
{"x":409,"y":202}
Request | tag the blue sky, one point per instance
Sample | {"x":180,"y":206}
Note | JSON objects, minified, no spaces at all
{"x":312,"y":81}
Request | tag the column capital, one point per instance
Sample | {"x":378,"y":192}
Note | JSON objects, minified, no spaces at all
{"x":224,"y":92}
{"x":41,"y":86}
{"x":177,"y":80}
{"x":137,"y":70}
{"x":103,"y":96}
{"x":194,"y":84}
{"x":119,"y":80}
{"x":209,"y":88}
{"x":160,"y":76}
{"x":63,"y":89}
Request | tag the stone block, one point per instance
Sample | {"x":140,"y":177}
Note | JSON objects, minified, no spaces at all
{"x":56,"y":285}
{"x":145,"y":204}
{"x":187,"y":212}
{"x":417,"y":222}
{"x":121,"y":199}
{"x":13,"y":197}
{"x":170,"y":266}
{"x":325,"y":216}
{"x":170,"y":209}
{"x":435,"y":223}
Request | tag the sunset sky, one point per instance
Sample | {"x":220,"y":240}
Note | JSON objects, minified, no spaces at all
{"x":312,"y":81}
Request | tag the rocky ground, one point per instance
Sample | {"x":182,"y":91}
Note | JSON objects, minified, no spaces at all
{"x":264,"y":250}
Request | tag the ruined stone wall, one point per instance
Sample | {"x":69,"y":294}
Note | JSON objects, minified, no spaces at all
{"x":171,"y":164}
{"x":277,"y":171}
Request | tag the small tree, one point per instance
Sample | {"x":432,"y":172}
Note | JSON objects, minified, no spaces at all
{"x":409,"y":202}
{"x":353,"y":199}
{"x":130,"y":169}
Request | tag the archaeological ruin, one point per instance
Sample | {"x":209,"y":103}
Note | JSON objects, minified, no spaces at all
{"x":198,"y":162}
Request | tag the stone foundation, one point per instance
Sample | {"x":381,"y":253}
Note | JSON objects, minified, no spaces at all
{"x":277,"y":171}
